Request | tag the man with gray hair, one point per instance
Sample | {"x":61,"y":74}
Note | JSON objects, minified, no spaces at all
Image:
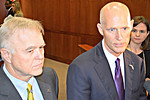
{"x":108,"y":71}
{"x":22,"y":75}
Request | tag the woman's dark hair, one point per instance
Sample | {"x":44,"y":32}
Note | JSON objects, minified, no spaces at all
{"x":142,"y":19}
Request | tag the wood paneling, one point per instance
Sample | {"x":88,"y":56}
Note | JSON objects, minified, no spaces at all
{"x":68,"y":23}
{"x":3,"y":11}
{"x":64,"y":46}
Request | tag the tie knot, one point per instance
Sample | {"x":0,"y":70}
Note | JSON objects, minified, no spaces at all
{"x":29,"y":88}
{"x":117,"y":62}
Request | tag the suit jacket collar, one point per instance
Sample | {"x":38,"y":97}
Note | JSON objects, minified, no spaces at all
{"x":9,"y":90}
{"x":7,"y":87}
{"x":129,"y":70}
{"x":45,"y":89}
{"x":103,"y":70}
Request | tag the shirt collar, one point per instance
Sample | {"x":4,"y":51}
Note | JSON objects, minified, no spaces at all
{"x":22,"y":85}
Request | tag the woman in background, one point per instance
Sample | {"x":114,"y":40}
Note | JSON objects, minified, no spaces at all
{"x":139,"y":44}
{"x":19,"y":12}
{"x":12,"y":9}
{"x":15,"y":9}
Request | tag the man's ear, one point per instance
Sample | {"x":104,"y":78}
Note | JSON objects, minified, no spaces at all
{"x":99,"y":26}
{"x":6,"y":54}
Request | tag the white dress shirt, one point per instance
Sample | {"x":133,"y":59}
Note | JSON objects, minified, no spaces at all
{"x":111,"y":60}
{"x":21,"y":86}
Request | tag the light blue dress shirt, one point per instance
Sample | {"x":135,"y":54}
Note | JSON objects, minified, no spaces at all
{"x":21,"y":86}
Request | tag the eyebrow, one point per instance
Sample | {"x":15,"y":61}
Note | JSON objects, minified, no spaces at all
{"x":125,"y":27}
{"x":140,"y":29}
{"x":32,"y":47}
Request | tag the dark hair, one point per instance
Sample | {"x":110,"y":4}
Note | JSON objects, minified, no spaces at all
{"x":142,"y":19}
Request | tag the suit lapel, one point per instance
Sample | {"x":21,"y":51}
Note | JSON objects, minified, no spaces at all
{"x":8,"y":88}
{"x":46,"y":90}
{"x":14,"y":94}
{"x":10,"y":91}
{"x":105,"y":75}
{"x":104,"y":72}
{"x":129,"y":70}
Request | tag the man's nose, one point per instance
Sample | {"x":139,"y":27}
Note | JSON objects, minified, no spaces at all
{"x":40,"y":54}
{"x":119,"y":35}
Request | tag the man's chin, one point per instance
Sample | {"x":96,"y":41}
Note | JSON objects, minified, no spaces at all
{"x":119,"y":51}
{"x":38,"y":72}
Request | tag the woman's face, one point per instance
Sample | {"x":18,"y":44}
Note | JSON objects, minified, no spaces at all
{"x":139,"y":33}
{"x":13,"y":7}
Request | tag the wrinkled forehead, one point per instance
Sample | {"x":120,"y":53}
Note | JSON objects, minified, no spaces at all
{"x":27,"y":31}
{"x":28,"y":37}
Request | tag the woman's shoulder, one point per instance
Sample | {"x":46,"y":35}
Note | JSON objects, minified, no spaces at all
{"x":147,"y":54}
{"x":147,"y":51}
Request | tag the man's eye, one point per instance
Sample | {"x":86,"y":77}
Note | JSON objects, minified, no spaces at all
{"x":29,"y":51}
{"x":111,"y":29}
{"x":42,"y":47}
{"x":124,"y":28}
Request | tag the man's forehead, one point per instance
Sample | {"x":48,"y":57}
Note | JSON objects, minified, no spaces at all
{"x":27,"y":35}
{"x":116,"y":25}
{"x":26,"y":31}
{"x":116,"y":20}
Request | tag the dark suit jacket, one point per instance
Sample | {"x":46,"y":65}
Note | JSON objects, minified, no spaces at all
{"x":90,"y":78}
{"x":48,"y":84}
{"x":147,"y":61}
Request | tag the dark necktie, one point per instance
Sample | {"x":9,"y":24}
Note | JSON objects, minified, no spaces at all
{"x":119,"y":80}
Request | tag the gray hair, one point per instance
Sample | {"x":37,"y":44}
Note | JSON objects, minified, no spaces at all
{"x":11,"y":25}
